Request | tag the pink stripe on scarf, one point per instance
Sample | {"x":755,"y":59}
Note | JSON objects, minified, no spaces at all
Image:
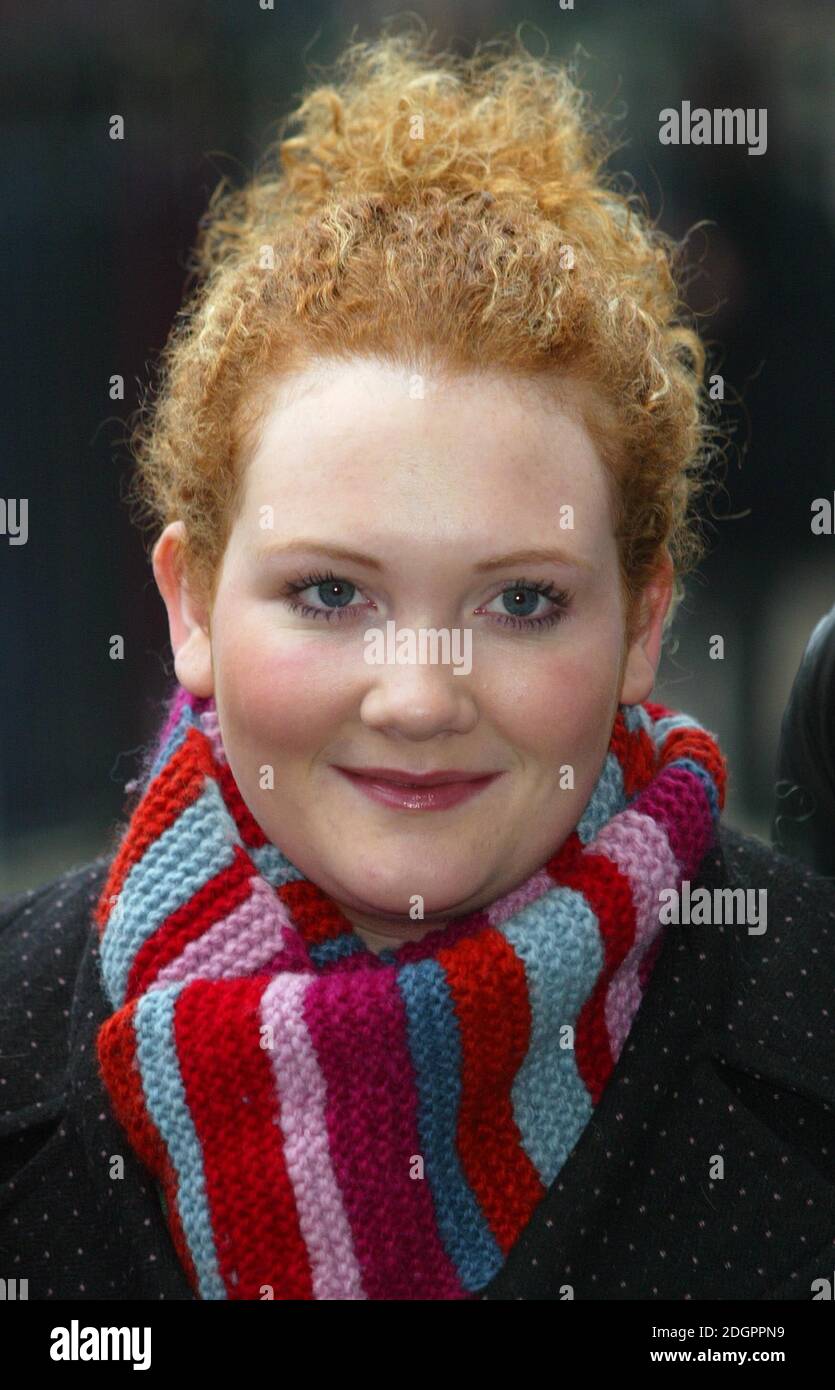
{"x":250,"y":938}
{"x":642,"y":852}
{"x":211,"y":728}
{"x":302,"y":1100}
{"x":503,"y":908}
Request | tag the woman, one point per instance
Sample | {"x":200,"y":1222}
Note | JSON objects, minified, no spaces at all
{"x":393,"y":988}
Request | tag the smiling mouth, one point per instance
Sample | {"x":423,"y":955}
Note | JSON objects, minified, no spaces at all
{"x":435,"y":792}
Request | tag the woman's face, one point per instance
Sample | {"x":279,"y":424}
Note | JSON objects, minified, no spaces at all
{"x":440,"y":490}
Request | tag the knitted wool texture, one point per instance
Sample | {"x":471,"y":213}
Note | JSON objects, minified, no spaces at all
{"x":325,"y":1122}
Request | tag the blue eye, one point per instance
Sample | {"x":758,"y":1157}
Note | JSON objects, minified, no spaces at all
{"x":520,"y":600}
{"x":335,"y":593}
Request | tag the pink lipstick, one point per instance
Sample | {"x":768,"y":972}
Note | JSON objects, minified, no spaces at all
{"x":412,"y":791}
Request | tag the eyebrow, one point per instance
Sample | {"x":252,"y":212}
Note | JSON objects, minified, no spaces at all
{"x":538,"y":555}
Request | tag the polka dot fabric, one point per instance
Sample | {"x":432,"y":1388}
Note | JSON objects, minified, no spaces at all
{"x":68,"y":1222}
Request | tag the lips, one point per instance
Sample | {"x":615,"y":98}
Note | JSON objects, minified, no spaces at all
{"x":416,"y":779}
{"x":409,"y":791}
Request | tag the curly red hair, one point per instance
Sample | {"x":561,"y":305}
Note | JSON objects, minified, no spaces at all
{"x":447,"y":212}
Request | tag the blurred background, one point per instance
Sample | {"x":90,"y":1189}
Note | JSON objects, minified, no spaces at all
{"x":96,"y":234}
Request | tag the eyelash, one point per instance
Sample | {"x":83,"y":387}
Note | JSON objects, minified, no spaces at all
{"x":560,"y":597}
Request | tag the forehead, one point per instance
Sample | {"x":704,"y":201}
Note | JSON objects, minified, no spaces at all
{"x":352,"y":435}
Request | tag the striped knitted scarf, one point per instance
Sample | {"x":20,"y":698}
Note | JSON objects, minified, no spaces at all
{"x":324,"y":1122}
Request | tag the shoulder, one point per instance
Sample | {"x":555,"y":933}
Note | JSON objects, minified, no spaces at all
{"x":43,"y":933}
{"x":797,"y":904}
{"x":48,"y":919}
{"x":770,"y":947}
{"x":746,"y":856}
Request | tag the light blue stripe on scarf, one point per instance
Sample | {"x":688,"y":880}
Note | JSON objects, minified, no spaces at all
{"x":175,"y":738}
{"x":605,"y":801}
{"x":672,"y":721}
{"x":166,"y":1102}
{"x":274,"y":866}
{"x":558,"y":940}
{"x":173,"y":868}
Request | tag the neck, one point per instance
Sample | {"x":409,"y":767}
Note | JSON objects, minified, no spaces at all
{"x":379,"y":935}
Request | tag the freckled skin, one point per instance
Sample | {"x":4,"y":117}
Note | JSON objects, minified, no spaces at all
{"x":477,"y":468}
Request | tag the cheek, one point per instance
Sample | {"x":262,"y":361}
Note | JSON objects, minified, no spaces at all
{"x":560,"y":704}
{"x":274,"y":689}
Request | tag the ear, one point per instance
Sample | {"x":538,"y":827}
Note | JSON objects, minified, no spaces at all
{"x":188,"y":621}
{"x":644,"y":654}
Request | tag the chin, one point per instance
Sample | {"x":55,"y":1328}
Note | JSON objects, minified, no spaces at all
{"x":394,"y":901}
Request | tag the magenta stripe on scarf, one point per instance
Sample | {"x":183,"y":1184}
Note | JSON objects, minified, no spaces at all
{"x":363,"y":1055}
{"x":688,"y":835}
{"x":302,"y":1102}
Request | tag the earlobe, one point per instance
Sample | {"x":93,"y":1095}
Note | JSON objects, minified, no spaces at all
{"x":187,"y":621}
{"x":641,"y":665}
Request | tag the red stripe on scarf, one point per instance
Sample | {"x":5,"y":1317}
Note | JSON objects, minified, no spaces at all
{"x":175,"y":787}
{"x":249,"y":1193}
{"x":248,"y":827}
{"x":316,"y":917}
{"x":698,"y":745}
{"x":636,"y":753}
{"x":609,"y":896}
{"x":116,"y":1050}
{"x":215,"y":900}
{"x":490,"y":997}
{"x":656,"y":711}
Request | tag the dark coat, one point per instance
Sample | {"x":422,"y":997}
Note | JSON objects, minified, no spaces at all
{"x":731,"y":1055}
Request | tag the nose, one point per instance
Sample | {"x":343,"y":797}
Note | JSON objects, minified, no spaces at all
{"x":418,"y":701}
